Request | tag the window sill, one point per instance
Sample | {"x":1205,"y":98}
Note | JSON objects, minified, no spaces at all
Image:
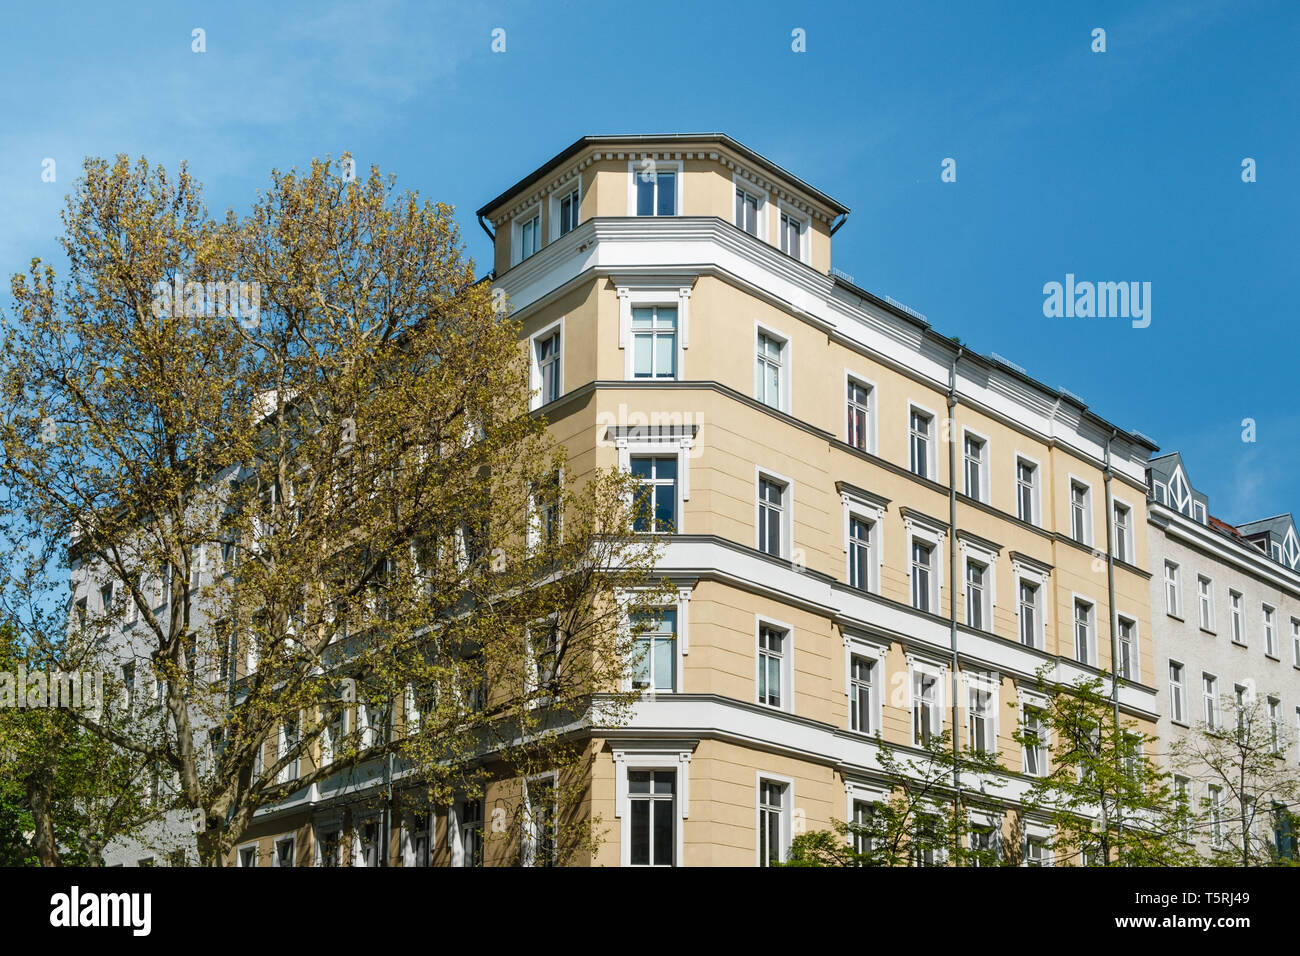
{"x":1237,"y":643}
{"x":1272,"y":657}
{"x":1180,"y":723}
{"x":1206,"y":630}
{"x":1177,"y":617}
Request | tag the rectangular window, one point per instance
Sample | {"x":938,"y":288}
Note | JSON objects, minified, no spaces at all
{"x":769,"y":370}
{"x":1081,"y":512}
{"x":1177,"y":693}
{"x":926,"y":713}
{"x":976,"y":595}
{"x":771,"y":665}
{"x":657,"y":638}
{"x":1238,"y":627}
{"x":973,"y":454}
{"x":1275,"y":724}
{"x":1028,"y":603}
{"x":980,"y":729}
{"x":859,"y":414}
{"x":470,"y":822}
{"x":652,"y":807}
{"x":1083,"y":632}
{"x":1036,"y":852}
{"x":1295,"y":642}
{"x":862,"y":817}
{"x":284,"y":852}
{"x":529,"y":236}
{"x":568,"y":208}
{"x":656,"y":504}
{"x":1172,"y":588}
{"x":862,"y":678}
{"x":417,"y":837}
{"x":919,"y":432}
{"x":771,"y":516}
{"x":922,"y":575}
{"x":367,"y":844}
{"x":1128,"y":649}
{"x":1270,"y":632}
{"x":1026,"y":490}
{"x":1123,"y":534}
{"x":656,"y":192}
{"x":548,"y":366}
{"x":654,"y":341}
{"x":248,"y":856}
{"x":860,"y":553}
{"x":1210,"y":698}
{"x":1205,"y":602}
{"x":1239,"y":707}
{"x":791,"y":230}
{"x":771,"y":822}
{"x":1183,"y":798}
{"x":747,"y":211}
{"x":1034,"y":742}
{"x":1216,"y":814}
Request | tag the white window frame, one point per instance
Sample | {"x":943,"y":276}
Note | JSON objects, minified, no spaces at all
{"x":785,"y":381}
{"x":1295,"y":642}
{"x":291,"y":771}
{"x":1274,"y":706}
{"x":530,"y":838}
{"x":787,"y":662}
{"x":536,"y":399}
{"x":257,"y":853}
{"x":1123,"y":541}
{"x":857,"y":645}
{"x":1035,"y":492}
{"x":1075,"y":600}
{"x":663,"y":444}
{"x":455,"y":836}
{"x":1205,"y":603}
{"x":517,"y":225}
{"x":649,"y":757}
{"x":787,"y":511}
{"x":292,"y":840}
{"x":970,"y":551}
{"x":787,"y":813}
{"x":1088,"y":533}
{"x":1022,"y":572}
{"x":939,"y":672}
{"x":1173,"y":588}
{"x":761,"y":214}
{"x":634,"y":168}
{"x":853,"y":378}
{"x":805,"y":231}
{"x":681,"y":604}
{"x":1210,"y":706}
{"x":1268,"y":619}
{"x":932,"y":441}
{"x":1028,"y":700}
{"x":991,"y":683}
{"x":666,"y":293}
{"x":1178,"y":693}
{"x":1237,"y":618}
{"x":1131,"y":619}
{"x":558,"y":195}
{"x":855,"y":506}
{"x":985,"y":491}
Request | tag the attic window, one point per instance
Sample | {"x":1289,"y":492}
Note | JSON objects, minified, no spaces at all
{"x":1180,"y":494}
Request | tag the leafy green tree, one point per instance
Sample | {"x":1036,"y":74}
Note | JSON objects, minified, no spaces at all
{"x":922,"y":821}
{"x":1249,"y":789}
{"x":1107,"y":801}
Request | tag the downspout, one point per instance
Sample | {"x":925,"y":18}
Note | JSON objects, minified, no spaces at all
{"x":1114,"y":617}
{"x":952,"y":580}
{"x":490,"y":234}
{"x":844,"y":217}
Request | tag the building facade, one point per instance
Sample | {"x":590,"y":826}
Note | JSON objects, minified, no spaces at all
{"x":1226,"y":633}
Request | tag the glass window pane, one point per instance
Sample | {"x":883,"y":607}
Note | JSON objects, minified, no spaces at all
{"x":642,"y":317}
{"x":665,"y":671}
{"x":665,"y":355}
{"x":641,"y":355}
{"x":645,"y":194}
{"x":667,"y":205}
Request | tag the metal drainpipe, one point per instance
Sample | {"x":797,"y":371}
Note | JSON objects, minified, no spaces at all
{"x":1110,"y":599}
{"x":952,"y":569}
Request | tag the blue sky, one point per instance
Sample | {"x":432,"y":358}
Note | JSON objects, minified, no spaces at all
{"x":1115,"y":166}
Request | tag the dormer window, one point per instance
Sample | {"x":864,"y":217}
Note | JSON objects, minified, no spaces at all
{"x":1180,"y":494}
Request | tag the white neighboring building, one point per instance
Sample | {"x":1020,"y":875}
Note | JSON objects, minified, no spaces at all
{"x":1225,"y":610}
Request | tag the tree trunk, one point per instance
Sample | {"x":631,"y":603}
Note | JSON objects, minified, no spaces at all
{"x":39,"y":789}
